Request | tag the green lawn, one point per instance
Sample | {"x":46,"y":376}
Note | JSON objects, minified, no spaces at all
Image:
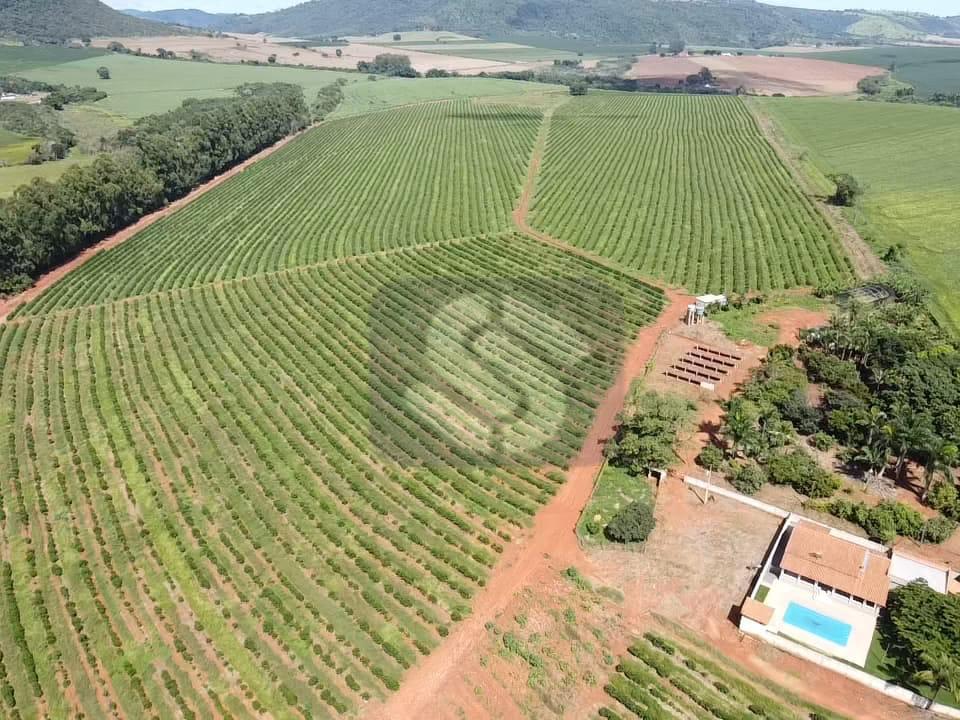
{"x":615,"y":490}
{"x":142,"y":86}
{"x":369,"y":96}
{"x":14,"y":148}
{"x":15,"y":60}
{"x":928,"y":69}
{"x":15,"y":175}
{"x":908,"y":158}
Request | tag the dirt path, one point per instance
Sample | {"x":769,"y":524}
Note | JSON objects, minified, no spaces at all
{"x":864,"y":260}
{"x":8,"y":305}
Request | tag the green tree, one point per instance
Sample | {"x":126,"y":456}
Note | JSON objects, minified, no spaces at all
{"x":847,"y":189}
{"x":648,"y":431}
{"x":272,"y":59}
{"x":943,"y":671}
{"x":633,"y":523}
{"x":739,"y":425}
{"x":941,"y":455}
{"x":578,"y":88}
{"x":103,"y":72}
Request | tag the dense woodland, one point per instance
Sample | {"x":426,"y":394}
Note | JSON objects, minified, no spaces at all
{"x":161,"y":158}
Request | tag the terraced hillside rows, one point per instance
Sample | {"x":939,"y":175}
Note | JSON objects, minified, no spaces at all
{"x":272,"y":495}
{"x":388,"y":180}
{"x":683,"y":188}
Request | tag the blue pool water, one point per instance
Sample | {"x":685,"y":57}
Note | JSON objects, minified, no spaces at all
{"x":822,"y":626}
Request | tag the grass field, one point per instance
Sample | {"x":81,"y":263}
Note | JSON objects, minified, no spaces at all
{"x":506,"y":52}
{"x":670,"y":673}
{"x":684,"y":188}
{"x":14,"y":148}
{"x":908,"y":158}
{"x":16,"y":175}
{"x":142,"y":86}
{"x":366,"y":96}
{"x":14,"y":60}
{"x":928,"y":69}
{"x":434,"y":172}
{"x":615,"y":490}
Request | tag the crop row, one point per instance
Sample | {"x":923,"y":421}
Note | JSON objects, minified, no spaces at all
{"x":388,"y":180}
{"x":684,"y":188}
{"x":275,"y":495}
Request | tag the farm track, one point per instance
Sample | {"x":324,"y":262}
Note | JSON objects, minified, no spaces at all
{"x":8,"y":305}
{"x":862,"y":257}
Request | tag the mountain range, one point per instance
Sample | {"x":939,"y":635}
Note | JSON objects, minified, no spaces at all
{"x":732,"y":22}
{"x":716,"y":22}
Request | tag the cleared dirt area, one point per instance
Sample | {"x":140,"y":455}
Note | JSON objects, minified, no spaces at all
{"x":248,"y":48}
{"x":759,"y":73}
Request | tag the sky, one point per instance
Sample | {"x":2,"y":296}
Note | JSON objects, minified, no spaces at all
{"x":935,"y":7}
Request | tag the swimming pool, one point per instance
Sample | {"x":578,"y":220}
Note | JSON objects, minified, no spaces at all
{"x":813,"y":622}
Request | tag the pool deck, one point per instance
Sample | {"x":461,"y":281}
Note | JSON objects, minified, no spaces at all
{"x":862,"y":621}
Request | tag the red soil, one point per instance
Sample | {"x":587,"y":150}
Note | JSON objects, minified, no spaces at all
{"x":8,"y":305}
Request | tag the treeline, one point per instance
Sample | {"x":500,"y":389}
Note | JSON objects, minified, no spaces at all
{"x":161,"y":158}
{"x":57,"y":95}
{"x":34,"y":121}
{"x":391,"y":64}
{"x":606,"y":82}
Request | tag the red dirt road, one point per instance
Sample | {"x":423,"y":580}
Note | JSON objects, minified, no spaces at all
{"x":8,"y":305}
{"x":553,"y":537}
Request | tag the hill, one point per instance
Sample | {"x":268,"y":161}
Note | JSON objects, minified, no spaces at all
{"x":727,"y":22}
{"x":185,"y":18}
{"x":58,"y":20}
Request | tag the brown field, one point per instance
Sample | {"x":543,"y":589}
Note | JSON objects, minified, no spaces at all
{"x":760,"y":74}
{"x":240,"y":47}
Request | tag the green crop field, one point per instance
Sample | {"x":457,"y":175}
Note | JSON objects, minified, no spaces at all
{"x":141,"y":86}
{"x":369,"y":96}
{"x":380,"y":181}
{"x":684,"y":188}
{"x":908,"y":159}
{"x":928,"y":69}
{"x":260,"y":458}
{"x":278,"y":492}
{"x":15,"y":59}
{"x":671,"y":674}
{"x":14,"y":176}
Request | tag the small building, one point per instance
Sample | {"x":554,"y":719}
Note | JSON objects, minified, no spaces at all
{"x":906,"y":567}
{"x":8,"y":97}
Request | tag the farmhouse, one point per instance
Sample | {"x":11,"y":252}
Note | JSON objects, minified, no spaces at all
{"x":8,"y":97}
{"x":824,"y":588}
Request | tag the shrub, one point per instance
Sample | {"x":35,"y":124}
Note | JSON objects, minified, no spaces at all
{"x":749,"y":478}
{"x":802,"y":473}
{"x":711,"y":458}
{"x":944,"y":497}
{"x":634,"y":523}
{"x":937,"y":529}
{"x":821,"y":441}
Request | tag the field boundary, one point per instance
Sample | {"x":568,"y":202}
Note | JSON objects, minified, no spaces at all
{"x":48,"y":279}
{"x":865,"y":262}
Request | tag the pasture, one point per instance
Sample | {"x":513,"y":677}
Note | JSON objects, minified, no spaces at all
{"x":14,"y":176}
{"x":141,"y":86}
{"x":368,"y":96}
{"x":912,"y":193}
{"x":15,"y":59}
{"x":14,"y":148}
{"x":928,"y":69}
{"x":684,"y":188}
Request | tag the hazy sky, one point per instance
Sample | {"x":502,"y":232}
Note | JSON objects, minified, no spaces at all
{"x":937,"y":7}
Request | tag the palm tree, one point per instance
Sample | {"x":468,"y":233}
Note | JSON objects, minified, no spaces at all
{"x":874,"y":457}
{"x":943,"y":671}
{"x":941,"y":456}
{"x":909,"y":431}
{"x":740,"y":424}
{"x":875,"y":423}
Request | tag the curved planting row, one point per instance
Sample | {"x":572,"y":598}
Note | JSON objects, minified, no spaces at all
{"x":275,"y":495}
{"x":684,"y":188}
{"x":387,"y":180}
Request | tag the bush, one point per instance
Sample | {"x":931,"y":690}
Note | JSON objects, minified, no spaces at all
{"x":937,"y":529}
{"x":711,"y":458}
{"x":848,"y":190}
{"x":103,"y":72}
{"x":944,"y":497}
{"x":632,"y":524}
{"x":821,"y":441}
{"x":801,"y":472}
{"x":748,"y":479}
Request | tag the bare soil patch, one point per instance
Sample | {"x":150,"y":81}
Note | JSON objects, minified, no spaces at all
{"x":240,"y":47}
{"x":761,"y":74}
{"x":791,"y":321}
